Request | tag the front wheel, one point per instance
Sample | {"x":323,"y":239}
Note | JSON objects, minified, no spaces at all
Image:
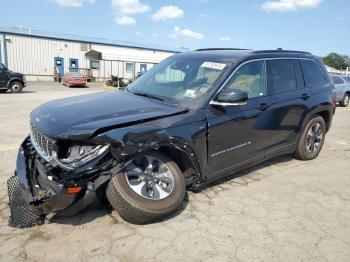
{"x":16,"y":87}
{"x":149,"y":189}
{"x":345,"y":101}
{"x":312,"y":139}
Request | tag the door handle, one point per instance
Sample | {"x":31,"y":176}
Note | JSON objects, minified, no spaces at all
{"x":263,"y":106}
{"x":305,"y":96}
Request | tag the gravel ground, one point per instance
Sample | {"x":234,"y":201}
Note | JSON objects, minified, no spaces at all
{"x":282,"y":210}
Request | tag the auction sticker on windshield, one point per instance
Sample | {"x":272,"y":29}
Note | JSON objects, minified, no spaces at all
{"x":213,"y":65}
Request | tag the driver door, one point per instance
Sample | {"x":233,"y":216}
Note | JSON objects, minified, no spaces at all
{"x":3,"y":76}
{"x":239,"y":135}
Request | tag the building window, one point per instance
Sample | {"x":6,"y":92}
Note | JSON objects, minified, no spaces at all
{"x":94,"y":64}
{"x":84,"y":47}
{"x":129,"y":67}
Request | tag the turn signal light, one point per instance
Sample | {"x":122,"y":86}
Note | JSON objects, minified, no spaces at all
{"x":73,"y":190}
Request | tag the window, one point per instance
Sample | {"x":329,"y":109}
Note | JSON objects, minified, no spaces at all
{"x":2,"y":67}
{"x":347,"y":78}
{"x":250,"y":78}
{"x":180,"y":80}
{"x":129,"y":67}
{"x":312,"y":73}
{"x":84,"y":47}
{"x":283,"y":77}
{"x":169,"y":75}
{"x":94,"y":64}
{"x":337,"y":80}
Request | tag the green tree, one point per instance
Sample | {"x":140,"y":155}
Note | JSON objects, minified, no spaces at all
{"x":337,"y":61}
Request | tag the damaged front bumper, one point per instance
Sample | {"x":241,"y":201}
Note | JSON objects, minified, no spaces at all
{"x":40,"y":188}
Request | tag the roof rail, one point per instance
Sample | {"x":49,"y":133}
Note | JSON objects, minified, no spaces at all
{"x":220,"y":49}
{"x":280,"y":50}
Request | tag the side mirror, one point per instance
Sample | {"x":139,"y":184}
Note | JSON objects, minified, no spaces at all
{"x":233,"y":97}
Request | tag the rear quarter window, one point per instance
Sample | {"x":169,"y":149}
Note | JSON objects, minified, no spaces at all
{"x":313,"y":74}
{"x":337,"y":80}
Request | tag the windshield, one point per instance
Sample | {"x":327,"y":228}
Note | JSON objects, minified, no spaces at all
{"x":179,"y":79}
{"x":2,"y":67}
{"x":74,"y":74}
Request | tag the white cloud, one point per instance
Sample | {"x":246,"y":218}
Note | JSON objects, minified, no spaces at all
{"x":186,"y":33}
{"x":73,"y":3}
{"x":129,"y":7}
{"x":122,"y":9}
{"x":289,"y":5}
{"x":125,"y":20}
{"x":225,"y":38}
{"x":168,"y":12}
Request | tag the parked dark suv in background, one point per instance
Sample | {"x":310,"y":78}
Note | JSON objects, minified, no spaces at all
{"x":193,"y":118}
{"x":15,"y":82}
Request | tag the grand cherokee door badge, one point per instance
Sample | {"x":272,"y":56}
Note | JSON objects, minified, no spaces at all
{"x":231,"y":148}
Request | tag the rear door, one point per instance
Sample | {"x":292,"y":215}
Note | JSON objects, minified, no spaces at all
{"x":238,"y":135}
{"x":289,"y":96}
{"x":339,"y":87}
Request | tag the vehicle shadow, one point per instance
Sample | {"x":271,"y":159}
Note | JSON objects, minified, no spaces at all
{"x":23,"y":92}
{"x":104,"y":208}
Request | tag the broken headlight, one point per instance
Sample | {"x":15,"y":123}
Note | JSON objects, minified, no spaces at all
{"x":79,"y":155}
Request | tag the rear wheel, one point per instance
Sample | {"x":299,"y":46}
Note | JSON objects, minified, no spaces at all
{"x":312,"y":139}
{"x":16,"y":87}
{"x":345,"y":101}
{"x":149,"y":189}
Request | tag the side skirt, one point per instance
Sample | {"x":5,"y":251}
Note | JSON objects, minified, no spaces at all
{"x":284,"y":150}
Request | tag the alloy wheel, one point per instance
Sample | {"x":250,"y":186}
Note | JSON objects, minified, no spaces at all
{"x":150,"y":177}
{"x":346,"y":100}
{"x":16,"y":87}
{"x":314,"y":138}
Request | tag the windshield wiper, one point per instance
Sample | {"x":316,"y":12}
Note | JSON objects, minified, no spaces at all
{"x":147,"y":95}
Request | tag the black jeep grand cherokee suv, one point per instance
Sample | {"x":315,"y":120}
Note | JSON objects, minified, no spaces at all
{"x":193,"y":118}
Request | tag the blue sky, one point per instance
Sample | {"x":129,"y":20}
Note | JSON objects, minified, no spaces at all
{"x":319,"y":26}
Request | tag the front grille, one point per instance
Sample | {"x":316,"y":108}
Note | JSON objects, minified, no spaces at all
{"x":42,"y":144}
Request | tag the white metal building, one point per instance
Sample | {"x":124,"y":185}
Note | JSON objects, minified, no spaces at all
{"x":37,"y":54}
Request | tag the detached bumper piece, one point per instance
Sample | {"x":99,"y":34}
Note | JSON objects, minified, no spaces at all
{"x":22,"y":214}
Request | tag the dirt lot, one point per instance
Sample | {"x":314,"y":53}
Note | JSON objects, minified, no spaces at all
{"x":282,"y":210}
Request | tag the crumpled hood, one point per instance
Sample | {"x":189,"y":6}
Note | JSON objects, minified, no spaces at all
{"x":80,"y":117}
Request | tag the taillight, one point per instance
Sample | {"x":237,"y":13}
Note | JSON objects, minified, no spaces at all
{"x":334,"y":96}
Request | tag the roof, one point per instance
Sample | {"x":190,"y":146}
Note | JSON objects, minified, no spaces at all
{"x":241,"y":50}
{"x":241,"y":54}
{"x":84,"y":39}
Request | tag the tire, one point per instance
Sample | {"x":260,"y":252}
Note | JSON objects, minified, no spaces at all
{"x":3,"y":90}
{"x":16,"y":87}
{"x":138,"y":209}
{"x":305,"y":150}
{"x":345,"y":101}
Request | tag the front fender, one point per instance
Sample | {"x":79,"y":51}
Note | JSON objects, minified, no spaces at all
{"x":187,"y":136}
{"x":15,"y":79}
